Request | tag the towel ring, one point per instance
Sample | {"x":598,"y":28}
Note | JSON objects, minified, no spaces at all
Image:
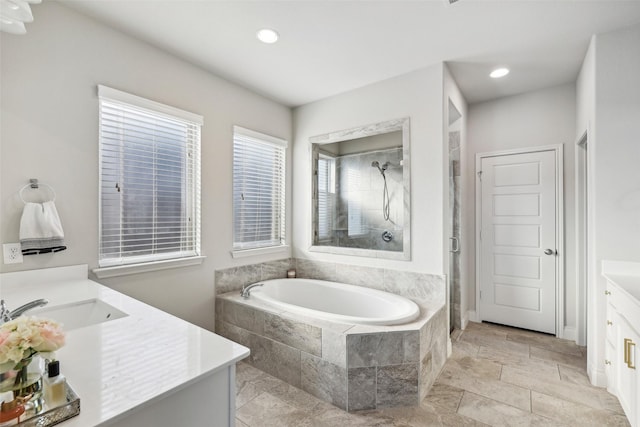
{"x":53,"y":199}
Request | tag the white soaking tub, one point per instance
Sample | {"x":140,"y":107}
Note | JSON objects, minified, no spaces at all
{"x":336,"y":301}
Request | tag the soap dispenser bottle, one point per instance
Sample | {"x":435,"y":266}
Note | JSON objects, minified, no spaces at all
{"x":55,"y":390}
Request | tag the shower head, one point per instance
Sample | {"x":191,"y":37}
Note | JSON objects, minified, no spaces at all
{"x":376,"y":164}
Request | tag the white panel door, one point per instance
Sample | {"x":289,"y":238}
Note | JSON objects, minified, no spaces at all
{"x":518,"y":208}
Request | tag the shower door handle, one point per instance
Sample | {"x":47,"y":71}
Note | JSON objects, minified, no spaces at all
{"x":455,"y":245}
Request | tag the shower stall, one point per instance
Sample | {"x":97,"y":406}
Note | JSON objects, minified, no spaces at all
{"x":361,"y":199}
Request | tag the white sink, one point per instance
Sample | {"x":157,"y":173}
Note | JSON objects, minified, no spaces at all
{"x":79,"y":314}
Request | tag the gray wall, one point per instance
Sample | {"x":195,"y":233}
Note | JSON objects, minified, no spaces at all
{"x":49,"y":131}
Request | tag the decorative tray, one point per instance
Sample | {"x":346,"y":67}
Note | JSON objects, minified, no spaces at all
{"x":51,"y":416}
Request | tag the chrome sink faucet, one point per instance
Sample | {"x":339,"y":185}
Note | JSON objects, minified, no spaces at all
{"x":246,"y":290}
{"x":6,"y":315}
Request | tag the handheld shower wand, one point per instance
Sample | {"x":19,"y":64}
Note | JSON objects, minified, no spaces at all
{"x":385,"y":192}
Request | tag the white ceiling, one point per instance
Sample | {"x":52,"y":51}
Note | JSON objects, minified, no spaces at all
{"x":329,"y":47}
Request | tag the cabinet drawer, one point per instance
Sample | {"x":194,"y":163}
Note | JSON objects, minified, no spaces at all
{"x":611,"y":324}
{"x":612,"y":294}
{"x":610,"y":362}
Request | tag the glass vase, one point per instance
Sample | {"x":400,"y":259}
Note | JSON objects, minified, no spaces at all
{"x":24,"y":380}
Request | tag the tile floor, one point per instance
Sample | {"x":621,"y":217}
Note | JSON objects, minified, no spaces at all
{"x":497,"y":376}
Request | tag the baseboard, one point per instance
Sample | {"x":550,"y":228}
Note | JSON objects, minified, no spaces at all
{"x":569,"y":333}
{"x":597,"y":376}
{"x":471,"y":316}
{"x":449,"y":346}
{"x":465,"y":321}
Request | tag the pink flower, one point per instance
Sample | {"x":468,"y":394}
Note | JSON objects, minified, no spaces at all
{"x":51,"y":337}
{"x":4,"y":335}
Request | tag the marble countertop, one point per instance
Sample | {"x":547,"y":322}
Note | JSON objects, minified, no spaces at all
{"x":121,"y":365}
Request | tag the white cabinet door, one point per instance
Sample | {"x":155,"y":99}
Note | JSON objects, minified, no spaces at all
{"x":611,"y":362}
{"x":626,"y":363}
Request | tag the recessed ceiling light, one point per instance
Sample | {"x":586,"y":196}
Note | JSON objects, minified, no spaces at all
{"x":267,"y":35}
{"x":499,"y":72}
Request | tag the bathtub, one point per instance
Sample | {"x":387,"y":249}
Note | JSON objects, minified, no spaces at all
{"x":336,"y":301}
{"x":326,"y":338}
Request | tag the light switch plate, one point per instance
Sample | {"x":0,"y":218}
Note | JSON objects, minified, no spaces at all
{"x":12,"y":253}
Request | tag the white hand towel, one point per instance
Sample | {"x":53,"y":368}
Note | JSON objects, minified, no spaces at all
{"x":40,"y":229}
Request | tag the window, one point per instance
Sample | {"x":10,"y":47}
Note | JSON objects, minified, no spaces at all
{"x":258,"y":190}
{"x":355,"y":218}
{"x":149,"y":180}
{"x":326,"y":195}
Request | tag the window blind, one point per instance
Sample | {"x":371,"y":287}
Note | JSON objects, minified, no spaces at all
{"x":149,"y":180}
{"x":258,"y":190}
{"x":326,"y":196}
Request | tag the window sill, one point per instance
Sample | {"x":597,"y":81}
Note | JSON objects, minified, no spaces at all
{"x":123,"y":270}
{"x":260,"y":251}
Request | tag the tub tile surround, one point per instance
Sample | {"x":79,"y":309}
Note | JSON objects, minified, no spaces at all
{"x":355,"y":367}
{"x":409,"y":284}
{"x":307,"y":338}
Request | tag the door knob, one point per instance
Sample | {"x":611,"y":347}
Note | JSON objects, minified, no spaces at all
{"x":549,"y":251}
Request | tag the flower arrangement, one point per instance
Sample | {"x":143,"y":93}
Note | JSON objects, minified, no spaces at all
{"x":24,"y":337}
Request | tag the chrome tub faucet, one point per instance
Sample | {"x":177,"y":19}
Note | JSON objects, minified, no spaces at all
{"x":246,"y":290}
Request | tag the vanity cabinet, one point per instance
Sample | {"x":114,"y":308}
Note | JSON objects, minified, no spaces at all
{"x":146,"y":368}
{"x":627,"y":377}
{"x":622,"y":347}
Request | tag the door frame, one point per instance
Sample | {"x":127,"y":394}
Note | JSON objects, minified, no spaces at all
{"x":560,"y":265}
{"x":582,"y":171}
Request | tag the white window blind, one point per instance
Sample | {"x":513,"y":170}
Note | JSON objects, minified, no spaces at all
{"x":326,"y":195}
{"x":149,"y":180}
{"x":355,"y":219}
{"x":258,"y":190}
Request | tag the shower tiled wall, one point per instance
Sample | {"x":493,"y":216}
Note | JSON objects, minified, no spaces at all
{"x":360,"y":221}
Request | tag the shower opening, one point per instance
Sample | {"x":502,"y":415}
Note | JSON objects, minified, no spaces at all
{"x":455,"y":124}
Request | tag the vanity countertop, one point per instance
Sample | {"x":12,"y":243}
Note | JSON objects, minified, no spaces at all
{"x":121,"y":365}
